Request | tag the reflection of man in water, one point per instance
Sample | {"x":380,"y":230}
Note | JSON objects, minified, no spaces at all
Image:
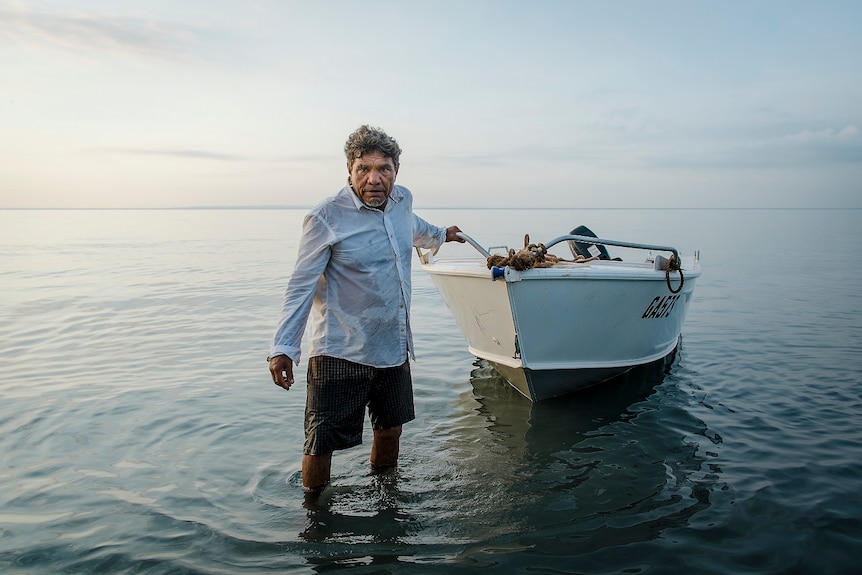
{"x":353,"y":276}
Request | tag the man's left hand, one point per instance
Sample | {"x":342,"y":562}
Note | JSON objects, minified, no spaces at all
{"x":450,"y":234}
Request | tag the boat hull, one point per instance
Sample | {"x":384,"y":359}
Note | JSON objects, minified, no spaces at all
{"x":539,"y":385}
{"x":552,"y":331}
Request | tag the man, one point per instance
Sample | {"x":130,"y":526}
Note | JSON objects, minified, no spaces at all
{"x":352,"y":275}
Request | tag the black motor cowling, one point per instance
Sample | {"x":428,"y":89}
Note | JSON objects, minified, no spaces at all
{"x":588,"y":250}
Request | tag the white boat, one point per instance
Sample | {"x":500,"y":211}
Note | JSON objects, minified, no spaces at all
{"x":553,"y":330}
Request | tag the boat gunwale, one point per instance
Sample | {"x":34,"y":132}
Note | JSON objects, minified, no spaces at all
{"x":598,"y":269}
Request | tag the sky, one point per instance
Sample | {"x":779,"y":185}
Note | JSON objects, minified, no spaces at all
{"x":612,"y":104}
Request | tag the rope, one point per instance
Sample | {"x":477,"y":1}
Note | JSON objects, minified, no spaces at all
{"x":537,"y":256}
{"x":673,"y":264}
{"x":530,"y":256}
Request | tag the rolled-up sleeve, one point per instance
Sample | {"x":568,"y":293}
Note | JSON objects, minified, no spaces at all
{"x":426,"y":235}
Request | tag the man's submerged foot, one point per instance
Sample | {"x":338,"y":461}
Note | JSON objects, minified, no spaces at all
{"x":311,"y":495}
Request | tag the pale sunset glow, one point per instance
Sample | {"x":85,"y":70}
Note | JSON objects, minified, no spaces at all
{"x":503,"y":103}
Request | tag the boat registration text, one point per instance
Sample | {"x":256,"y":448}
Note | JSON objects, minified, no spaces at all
{"x":660,"y":306}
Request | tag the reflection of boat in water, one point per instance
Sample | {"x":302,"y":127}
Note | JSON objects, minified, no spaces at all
{"x":599,"y":469}
{"x":547,"y":425}
{"x":535,"y":455}
{"x":557,"y":329}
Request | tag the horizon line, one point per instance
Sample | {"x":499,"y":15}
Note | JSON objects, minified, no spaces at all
{"x":531,"y":208}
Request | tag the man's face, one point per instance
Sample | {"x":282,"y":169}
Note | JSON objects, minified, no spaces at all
{"x":372,"y":177}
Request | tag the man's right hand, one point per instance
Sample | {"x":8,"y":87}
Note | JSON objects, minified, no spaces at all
{"x":281,"y":368}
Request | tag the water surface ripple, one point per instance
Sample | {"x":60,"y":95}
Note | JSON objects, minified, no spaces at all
{"x":140,"y":433}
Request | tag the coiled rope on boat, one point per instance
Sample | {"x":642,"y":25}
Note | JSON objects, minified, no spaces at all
{"x":530,"y":256}
{"x":674,"y":265}
{"x":537,"y":256}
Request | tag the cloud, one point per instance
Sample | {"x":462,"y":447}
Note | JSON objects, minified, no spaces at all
{"x":180,"y":153}
{"x":827,"y":146}
{"x":464,"y":160}
{"x":801,"y":149}
{"x":201,"y":154}
{"x":846,"y":134}
{"x":84,"y":31}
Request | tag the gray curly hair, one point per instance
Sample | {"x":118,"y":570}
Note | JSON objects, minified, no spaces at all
{"x":369,"y":139}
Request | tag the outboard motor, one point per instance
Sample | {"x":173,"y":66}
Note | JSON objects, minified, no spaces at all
{"x":585,"y":249}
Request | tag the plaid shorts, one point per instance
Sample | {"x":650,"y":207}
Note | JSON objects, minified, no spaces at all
{"x":338,"y":392}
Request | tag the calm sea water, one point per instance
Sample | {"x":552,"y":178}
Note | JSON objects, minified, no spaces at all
{"x":140,"y":432}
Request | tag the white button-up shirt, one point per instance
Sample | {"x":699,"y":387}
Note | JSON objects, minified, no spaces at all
{"x":353,"y":275}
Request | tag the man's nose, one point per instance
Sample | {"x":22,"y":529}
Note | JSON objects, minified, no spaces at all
{"x":374,"y":177}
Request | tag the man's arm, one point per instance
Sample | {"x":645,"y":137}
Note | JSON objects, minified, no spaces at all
{"x":312,"y":259}
{"x":431,"y":237}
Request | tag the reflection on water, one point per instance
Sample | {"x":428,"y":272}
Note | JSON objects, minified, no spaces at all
{"x":548,"y":424}
{"x":614,"y":463}
{"x":506,"y":466}
{"x":372,"y":513}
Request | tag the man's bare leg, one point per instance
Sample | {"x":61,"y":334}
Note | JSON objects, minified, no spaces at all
{"x":384,"y":449}
{"x":316,"y":470}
